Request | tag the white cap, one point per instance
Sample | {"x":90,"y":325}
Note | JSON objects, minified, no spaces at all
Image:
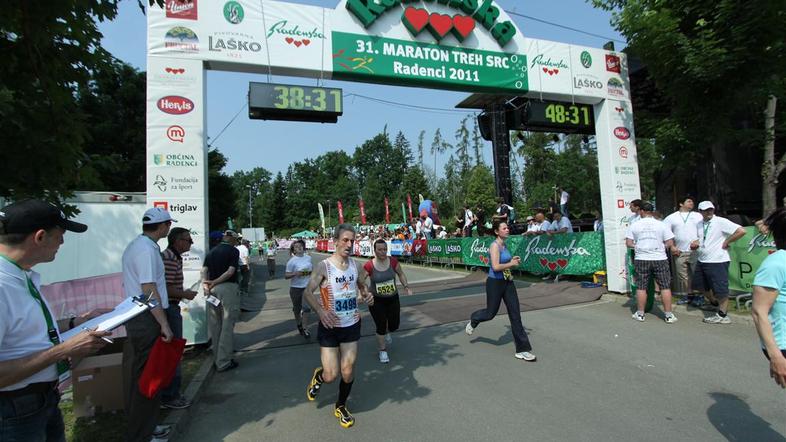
{"x":530,"y":218}
{"x":704,"y":205}
{"x":156,"y":215}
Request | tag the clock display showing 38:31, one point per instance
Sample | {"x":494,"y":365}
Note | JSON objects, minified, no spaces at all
{"x":270,"y":101}
{"x":307,"y":98}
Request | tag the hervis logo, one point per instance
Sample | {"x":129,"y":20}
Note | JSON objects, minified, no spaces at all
{"x":175,"y":105}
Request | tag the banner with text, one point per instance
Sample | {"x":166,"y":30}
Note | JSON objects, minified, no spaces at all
{"x":747,"y":254}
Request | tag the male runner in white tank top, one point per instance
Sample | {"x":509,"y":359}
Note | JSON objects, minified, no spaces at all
{"x":339,"y":281}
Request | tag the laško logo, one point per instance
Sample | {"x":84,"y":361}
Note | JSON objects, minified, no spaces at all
{"x":175,"y":105}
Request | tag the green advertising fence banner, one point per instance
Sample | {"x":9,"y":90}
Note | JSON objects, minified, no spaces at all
{"x":747,"y":254}
{"x":568,"y":254}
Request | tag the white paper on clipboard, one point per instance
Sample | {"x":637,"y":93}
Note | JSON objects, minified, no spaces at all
{"x":121,"y":314}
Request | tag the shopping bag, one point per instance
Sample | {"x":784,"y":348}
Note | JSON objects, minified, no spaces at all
{"x":160,"y":366}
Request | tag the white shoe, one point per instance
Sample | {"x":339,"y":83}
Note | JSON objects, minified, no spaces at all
{"x":717,"y":319}
{"x":469,"y":328}
{"x":525,"y":355}
{"x":383,"y":357}
{"x":388,"y":339}
{"x":638,"y":316}
{"x":670,"y":319}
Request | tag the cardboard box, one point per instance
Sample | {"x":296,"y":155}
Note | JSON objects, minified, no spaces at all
{"x":98,"y":384}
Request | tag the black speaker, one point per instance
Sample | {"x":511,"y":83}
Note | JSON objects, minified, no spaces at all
{"x":484,"y":124}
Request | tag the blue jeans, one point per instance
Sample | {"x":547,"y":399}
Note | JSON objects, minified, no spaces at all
{"x":34,"y":417}
{"x":175,"y":319}
{"x":563,"y":208}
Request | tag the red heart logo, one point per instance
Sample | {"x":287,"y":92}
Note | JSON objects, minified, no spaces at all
{"x":306,"y":41}
{"x":439,"y":25}
{"x":462,"y":26}
{"x":552,"y":266}
{"x":562,"y":262}
{"x":619,"y":109}
{"x":556,"y":71}
{"x":483,"y":259}
{"x":298,"y":43}
{"x":289,"y":40}
{"x":545,"y":70}
{"x":415,"y":19}
{"x":179,"y":71}
{"x":168,"y":69}
{"x":544,"y":262}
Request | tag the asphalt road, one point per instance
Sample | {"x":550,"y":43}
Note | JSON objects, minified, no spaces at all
{"x":599,"y":376}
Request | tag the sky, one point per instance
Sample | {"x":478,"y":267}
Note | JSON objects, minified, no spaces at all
{"x":274,"y":145}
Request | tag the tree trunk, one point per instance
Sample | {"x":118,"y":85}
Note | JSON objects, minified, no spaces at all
{"x":770,"y":170}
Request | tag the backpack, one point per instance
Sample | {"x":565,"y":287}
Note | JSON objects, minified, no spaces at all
{"x":369,"y":265}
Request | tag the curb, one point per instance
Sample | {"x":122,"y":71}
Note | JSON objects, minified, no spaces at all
{"x":178,"y":419}
{"x":737,"y":318}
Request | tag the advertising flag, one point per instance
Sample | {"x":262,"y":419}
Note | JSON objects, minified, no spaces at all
{"x":409,"y":204}
{"x":387,"y":211}
{"x":362,"y":211}
{"x":340,"y":213}
{"x":403,"y":214}
{"x":321,"y":215}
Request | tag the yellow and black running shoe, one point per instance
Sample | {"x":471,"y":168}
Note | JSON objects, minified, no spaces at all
{"x":314,"y":385}
{"x":345,"y":418}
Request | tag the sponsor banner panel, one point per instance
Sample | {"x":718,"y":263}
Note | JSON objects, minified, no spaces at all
{"x":568,"y":254}
{"x":298,"y":38}
{"x":550,"y":62}
{"x":419,"y":247}
{"x":396,"y":247}
{"x":412,"y":63}
{"x":747,"y":254}
{"x":176,"y":181}
{"x":189,"y":213}
{"x":588,"y":69}
{"x":475,"y":251}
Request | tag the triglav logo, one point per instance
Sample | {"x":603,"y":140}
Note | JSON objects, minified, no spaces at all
{"x":613,"y":63}
{"x":176,"y":133}
{"x":548,"y":65}
{"x":176,"y":208}
{"x":175,"y":160}
{"x":586,"y":59}
{"x":175,"y":105}
{"x":181,"y":38}
{"x":620,"y":204}
{"x":182,"y":9}
{"x":622,"y":133}
{"x":616,"y":88}
{"x":233,"y":12}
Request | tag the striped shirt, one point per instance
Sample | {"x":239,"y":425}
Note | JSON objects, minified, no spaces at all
{"x":173,"y":268}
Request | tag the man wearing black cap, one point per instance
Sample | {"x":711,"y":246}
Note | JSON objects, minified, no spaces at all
{"x":219,"y":279}
{"x":32,"y":358}
{"x":144,"y":275}
{"x":651,"y":238}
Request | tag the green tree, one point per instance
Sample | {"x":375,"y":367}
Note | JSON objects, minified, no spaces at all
{"x":477,"y":142}
{"x":380,"y":168}
{"x":721,"y":66}
{"x":221,"y":194}
{"x":252,"y":184}
{"x":480,"y":189}
{"x":49,"y":51}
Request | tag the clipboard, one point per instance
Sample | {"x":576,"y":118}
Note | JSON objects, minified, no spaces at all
{"x":122,"y":313}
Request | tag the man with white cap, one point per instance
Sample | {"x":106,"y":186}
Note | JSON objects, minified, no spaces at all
{"x":144,"y":275}
{"x":715,"y":233}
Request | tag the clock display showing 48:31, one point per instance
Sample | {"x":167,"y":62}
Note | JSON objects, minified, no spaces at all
{"x":306,"y":98}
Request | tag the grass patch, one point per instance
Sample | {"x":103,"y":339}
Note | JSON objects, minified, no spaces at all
{"x":111,"y":426}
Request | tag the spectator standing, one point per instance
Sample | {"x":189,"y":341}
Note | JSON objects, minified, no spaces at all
{"x":769,"y":300}
{"x":651,"y":238}
{"x":245,"y":265}
{"x":271,"y":259}
{"x":32,"y":356}
{"x":711,"y":276}
{"x":683,"y":223}
{"x":219,"y":279}
{"x":503,"y":211}
{"x":564,"y":196}
{"x":144,"y":275}
{"x":427,"y":227}
{"x":469,"y":221}
{"x":179,"y":241}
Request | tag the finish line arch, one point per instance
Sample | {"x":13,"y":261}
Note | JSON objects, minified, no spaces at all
{"x":463,"y":45}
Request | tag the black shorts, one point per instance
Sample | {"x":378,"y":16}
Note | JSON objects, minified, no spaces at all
{"x":386,"y":312}
{"x":332,"y":337}
{"x":645,"y":270}
{"x":712,"y":276}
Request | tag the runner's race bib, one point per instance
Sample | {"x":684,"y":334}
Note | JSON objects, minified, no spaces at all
{"x":386,"y":288}
{"x":507,"y":275}
{"x":346,"y":304}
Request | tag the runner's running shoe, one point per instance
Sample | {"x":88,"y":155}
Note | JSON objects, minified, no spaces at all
{"x":717,"y":319}
{"x":525,"y":355}
{"x":345,"y":418}
{"x":314,"y":385}
{"x":383,"y":357}
{"x":469,"y":329}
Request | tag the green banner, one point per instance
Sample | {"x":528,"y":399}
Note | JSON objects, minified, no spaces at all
{"x":408,"y":63}
{"x":567,"y":254}
{"x":747,"y":254}
{"x":444,"y":248}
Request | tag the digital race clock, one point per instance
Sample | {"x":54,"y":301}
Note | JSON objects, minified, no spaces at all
{"x":554,"y":116}
{"x":269,"y":101}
